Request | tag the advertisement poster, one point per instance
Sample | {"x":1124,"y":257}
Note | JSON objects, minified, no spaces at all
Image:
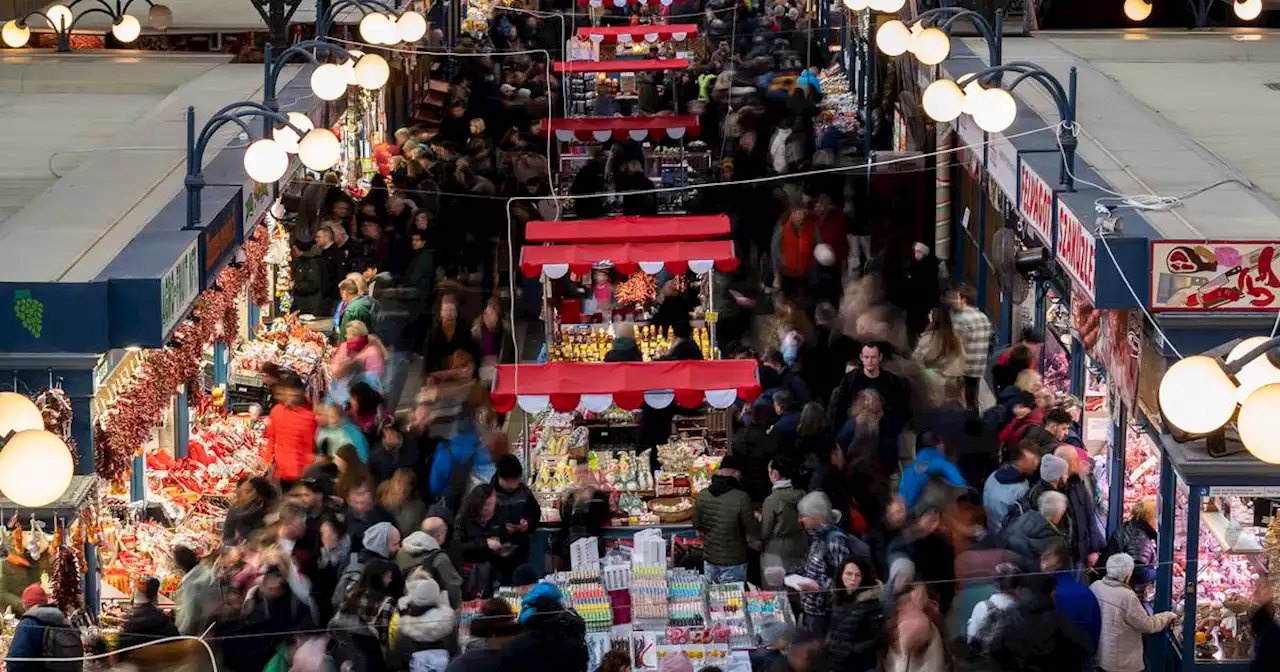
{"x":1114,"y":339}
{"x":1224,"y":275}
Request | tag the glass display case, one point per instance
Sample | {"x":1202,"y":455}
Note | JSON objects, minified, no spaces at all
{"x":1223,"y":539}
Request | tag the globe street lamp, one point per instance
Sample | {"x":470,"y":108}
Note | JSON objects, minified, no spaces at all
{"x":379,"y":23}
{"x":994,"y":109}
{"x":928,"y":38}
{"x":35,"y":465}
{"x":265,"y":160}
{"x":329,"y":81}
{"x":62,"y":19}
{"x":1200,"y":394}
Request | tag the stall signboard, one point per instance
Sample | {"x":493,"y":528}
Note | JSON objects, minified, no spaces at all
{"x":179,"y":287}
{"x":1001,"y":155}
{"x":1076,"y":251}
{"x":1112,"y":337}
{"x":1215,"y":275}
{"x":1035,"y":202}
{"x":219,"y":241}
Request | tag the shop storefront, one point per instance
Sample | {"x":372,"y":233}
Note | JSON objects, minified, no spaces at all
{"x":1216,"y":501}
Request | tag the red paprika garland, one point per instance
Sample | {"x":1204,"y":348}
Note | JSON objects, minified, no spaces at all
{"x":141,"y":403}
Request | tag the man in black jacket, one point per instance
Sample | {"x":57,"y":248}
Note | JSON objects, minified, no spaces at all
{"x":146,"y":623}
{"x":517,"y":514}
{"x":893,"y":390}
{"x":624,"y":348}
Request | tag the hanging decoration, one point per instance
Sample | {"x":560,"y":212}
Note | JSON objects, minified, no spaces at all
{"x":66,"y":573}
{"x":55,"y":408}
{"x":143,"y":398}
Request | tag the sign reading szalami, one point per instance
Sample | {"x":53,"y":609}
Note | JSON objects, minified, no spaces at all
{"x":1076,"y":251}
{"x":1035,"y":202}
{"x":1217,"y":275}
{"x":179,"y":287}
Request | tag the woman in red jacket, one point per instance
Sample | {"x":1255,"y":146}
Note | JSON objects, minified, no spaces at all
{"x":291,"y":433}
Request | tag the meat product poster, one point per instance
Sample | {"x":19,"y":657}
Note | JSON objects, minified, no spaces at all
{"x":1114,"y":339}
{"x":1222,"y":275}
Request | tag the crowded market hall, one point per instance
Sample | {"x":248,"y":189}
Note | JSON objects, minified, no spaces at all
{"x":638,"y":335}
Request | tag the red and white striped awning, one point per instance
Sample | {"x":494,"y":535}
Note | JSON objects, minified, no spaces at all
{"x":555,"y":261}
{"x":629,"y":229}
{"x":592,"y":386}
{"x":599,"y":129}
{"x":627,"y":34}
{"x":623,"y":3}
{"x":636,"y":65}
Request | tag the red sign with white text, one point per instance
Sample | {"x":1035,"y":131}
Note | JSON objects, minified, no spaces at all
{"x":1035,"y":202}
{"x":1076,"y":250}
{"x":1215,"y":275}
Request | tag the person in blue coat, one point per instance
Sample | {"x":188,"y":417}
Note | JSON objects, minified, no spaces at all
{"x":1072,"y":598}
{"x":29,"y":637}
{"x":465,"y":451}
{"x":930,"y":463}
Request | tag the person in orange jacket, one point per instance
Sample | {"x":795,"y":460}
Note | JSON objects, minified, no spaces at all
{"x":291,"y":433}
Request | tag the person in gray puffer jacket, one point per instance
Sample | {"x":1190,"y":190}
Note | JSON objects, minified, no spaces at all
{"x":422,"y":551}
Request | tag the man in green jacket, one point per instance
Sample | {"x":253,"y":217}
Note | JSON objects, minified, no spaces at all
{"x":355,"y":307}
{"x":784,"y":538}
{"x":724,"y":515}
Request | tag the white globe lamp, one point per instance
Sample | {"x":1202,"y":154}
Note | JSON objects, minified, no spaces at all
{"x":286,"y":137}
{"x":943,"y":100}
{"x":411,"y":27}
{"x":1137,"y":10}
{"x":893,"y":38}
{"x":1248,"y":10}
{"x":329,"y":81}
{"x":931,"y":46}
{"x":35,"y":468}
{"x":1257,"y":373}
{"x":14,"y":35}
{"x":319,"y":149}
{"x":265,"y":161}
{"x":996,"y":110}
{"x":372,"y":72}
{"x":1259,"y":423}
{"x":375,"y":28}
{"x":160,"y":17}
{"x":59,"y":17}
{"x":18,"y":414}
{"x":1196,"y":395}
{"x":887,"y":6}
{"x":127,"y":29}
{"x":856,"y":5}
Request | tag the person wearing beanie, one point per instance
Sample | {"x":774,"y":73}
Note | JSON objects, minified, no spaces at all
{"x":146,"y":623}
{"x":30,"y":635}
{"x":517,"y":515}
{"x":775,"y":637}
{"x":424,"y":621}
{"x":554,"y":637}
{"x":829,"y":548}
{"x":381,"y":543}
{"x":725,"y":516}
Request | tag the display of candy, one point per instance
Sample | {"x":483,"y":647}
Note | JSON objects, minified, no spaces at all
{"x":648,"y":595}
{"x":684,"y":592}
{"x":726,"y":609}
{"x":765,"y":607}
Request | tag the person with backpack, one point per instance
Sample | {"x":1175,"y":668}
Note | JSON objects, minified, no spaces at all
{"x":458,"y":463}
{"x":1137,"y":537}
{"x":829,"y":549}
{"x":423,"y":552}
{"x":43,"y":632}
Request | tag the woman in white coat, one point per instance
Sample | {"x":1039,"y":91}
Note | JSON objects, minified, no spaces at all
{"x":1124,"y":620}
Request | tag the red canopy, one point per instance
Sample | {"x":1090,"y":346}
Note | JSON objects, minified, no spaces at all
{"x":556,"y":260}
{"x":629,"y":229}
{"x":625,"y":34}
{"x":620,"y":128}
{"x":639,"y":65}
{"x":596,"y":386}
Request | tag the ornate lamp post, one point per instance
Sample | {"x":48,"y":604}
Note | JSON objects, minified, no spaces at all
{"x":62,"y":19}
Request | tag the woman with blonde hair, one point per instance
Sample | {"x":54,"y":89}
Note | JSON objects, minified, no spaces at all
{"x":360,"y":358}
{"x":869,"y":433}
{"x":1137,"y":537}
{"x":940,"y":352}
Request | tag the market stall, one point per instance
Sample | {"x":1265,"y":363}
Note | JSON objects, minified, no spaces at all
{"x":581,"y":429}
{"x":569,"y":322}
{"x":633,"y":601}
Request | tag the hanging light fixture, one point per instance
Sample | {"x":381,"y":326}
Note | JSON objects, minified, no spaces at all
{"x":943,"y":100}
{"x":329,"y":81}
{"x":319,"y":149}
{"x":15,"y":35}
{"x":893,"y":38}
{"x":265,"y":161}
{"x":35,"y":467}
{"x":372,"y":72}
{"x":411,"y":27}
{"x":286,"y":137}
{"x":1137,"y":10}
{"x":127,"y":29}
